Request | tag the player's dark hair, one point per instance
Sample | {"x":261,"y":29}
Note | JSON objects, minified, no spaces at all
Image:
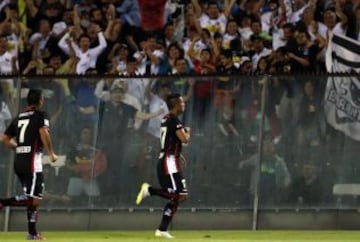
{"x":34,"y":96}
{"x":172,"y":99}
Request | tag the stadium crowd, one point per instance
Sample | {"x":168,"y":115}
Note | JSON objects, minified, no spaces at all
{"x":108,"y":62}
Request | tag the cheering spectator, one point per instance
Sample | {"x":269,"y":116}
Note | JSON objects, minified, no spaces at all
{"x":230,"y":34}
{"x":169,"y":34}
{"x":8,"y":66}
{"x":259,"y":50}
{"x":193,"y":44}
{"x":8,"y":61}
{"x":132,"y":67}
{"x":204,"y":65}
{"x":118,"y":57}
{"x":148,"y":57}
{"x":45,"y":41}
{"x":305,"y":58}
{"x":87,"y":56}
{"x":257,"y":29}
{"x":173,"y":52}
{"x":214,"y":20}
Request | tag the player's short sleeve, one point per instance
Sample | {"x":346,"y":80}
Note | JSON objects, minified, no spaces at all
{"x":11,"y":130}
{"x":176,"y":124}
{"x":44,"y":120}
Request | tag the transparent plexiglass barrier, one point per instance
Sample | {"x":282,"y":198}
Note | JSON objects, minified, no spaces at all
{"x":105,"y":133}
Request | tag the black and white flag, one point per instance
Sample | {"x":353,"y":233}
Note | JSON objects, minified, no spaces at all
{"x":342,"y":96}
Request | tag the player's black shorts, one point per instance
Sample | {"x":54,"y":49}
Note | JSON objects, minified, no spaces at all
{"x":172,"y":179}
{"x":32,"y":184}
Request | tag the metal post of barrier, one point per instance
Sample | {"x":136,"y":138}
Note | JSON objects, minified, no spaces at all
{"x":95,"y":129}
{"x":264,"y":83}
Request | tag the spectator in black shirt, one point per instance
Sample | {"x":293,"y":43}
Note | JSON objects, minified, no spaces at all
{"x":304,"y":59}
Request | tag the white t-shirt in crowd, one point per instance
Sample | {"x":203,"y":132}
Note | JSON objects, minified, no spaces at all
{"x":213,"y":25}
{"x":154,"y":69}
{"x":198,"y":46}
{"x":256,"y":57}
{"x":156,"y":104}
{"x":88,"y":58}
{"x":227,"y":38}
{"x":5,"y":63}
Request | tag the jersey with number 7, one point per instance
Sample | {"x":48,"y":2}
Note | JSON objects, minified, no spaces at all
{"x":170,"y":143}
{"x":25,"y":130}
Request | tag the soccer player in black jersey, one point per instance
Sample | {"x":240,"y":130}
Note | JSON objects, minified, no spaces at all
{"x":28,"y":134}
{"x":173,"y":185}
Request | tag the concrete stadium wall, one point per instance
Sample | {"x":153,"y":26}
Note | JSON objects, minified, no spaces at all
{"x":83,"y":220}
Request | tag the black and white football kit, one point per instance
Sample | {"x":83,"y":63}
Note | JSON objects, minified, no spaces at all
{"x":28,"y":153}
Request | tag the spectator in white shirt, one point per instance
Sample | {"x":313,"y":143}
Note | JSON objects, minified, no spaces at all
{"x":148,"y":57}
{"x":8,"y":66}
{"x":195,"y":41}
{"x":316,"y":29}
{"x":231,"y":33}
{"x":299,"y":6}
{"x":259,"y":50}
{"x":214,"y":20}
{"x":8,"y":61}
{"x":46,"y":42}
{"x":87,"y":56}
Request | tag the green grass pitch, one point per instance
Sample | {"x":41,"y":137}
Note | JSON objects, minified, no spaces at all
{"x":196,"y":236}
